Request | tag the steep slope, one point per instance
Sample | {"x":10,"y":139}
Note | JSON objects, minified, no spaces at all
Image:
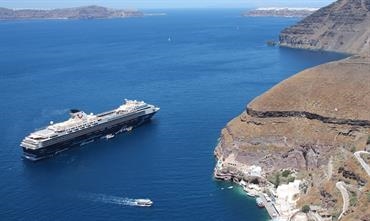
{"x":310,"y":123}
{"x":336,"y":92}
{"x":343,"y":26}
{"x":295,"y":113}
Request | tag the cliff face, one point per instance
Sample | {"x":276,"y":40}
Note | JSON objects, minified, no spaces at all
{"x":301,"y":121}
{"x":311,"y":123}
{"x":88,"y":12}
{"x":342,"y":26}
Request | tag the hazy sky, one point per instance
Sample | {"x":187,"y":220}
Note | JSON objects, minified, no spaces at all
{"x":147,"y":4}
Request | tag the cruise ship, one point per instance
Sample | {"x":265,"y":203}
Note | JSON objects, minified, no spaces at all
{"x":82,"y":128}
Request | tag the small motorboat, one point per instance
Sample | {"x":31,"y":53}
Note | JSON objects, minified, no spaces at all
{"x":259,"y":202}
{"x":144,"y":202}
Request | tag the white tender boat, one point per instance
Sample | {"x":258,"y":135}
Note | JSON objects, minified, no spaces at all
{"x":143,"y":202}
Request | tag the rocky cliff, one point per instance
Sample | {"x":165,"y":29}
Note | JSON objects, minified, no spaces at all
{"x":342,"y":26}
{"x":87,"y":12}
{"x":310,"y":123}
{"x":313,"y":122}
{"x":303,"y":118}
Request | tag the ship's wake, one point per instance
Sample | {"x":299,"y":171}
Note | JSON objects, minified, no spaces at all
{"x":102,"y":198}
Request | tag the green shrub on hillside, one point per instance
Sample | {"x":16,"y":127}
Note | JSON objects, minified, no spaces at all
{"x":286,"y":173}
{"x":305,"y":209}
{"x":277,"y":180}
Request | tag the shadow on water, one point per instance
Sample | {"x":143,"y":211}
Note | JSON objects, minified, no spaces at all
{"x":307,"y":58}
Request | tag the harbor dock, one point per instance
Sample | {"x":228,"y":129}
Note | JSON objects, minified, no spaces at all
{"x":270,"y":207}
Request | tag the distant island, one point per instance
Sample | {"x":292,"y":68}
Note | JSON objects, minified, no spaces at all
{"x":280,"y":12}
{"x":85,"y":12}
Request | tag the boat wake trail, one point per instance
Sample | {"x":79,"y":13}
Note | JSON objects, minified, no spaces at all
{"x":102,"y":198}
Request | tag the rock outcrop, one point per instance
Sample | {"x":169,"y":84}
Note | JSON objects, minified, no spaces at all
{"x":342,"y":26}
{"x":87,"y":12}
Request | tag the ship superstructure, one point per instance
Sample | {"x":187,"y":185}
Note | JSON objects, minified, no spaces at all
{"x":82,"y":128}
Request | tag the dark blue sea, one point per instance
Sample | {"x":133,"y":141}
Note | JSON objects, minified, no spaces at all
{"x":201,"y":67}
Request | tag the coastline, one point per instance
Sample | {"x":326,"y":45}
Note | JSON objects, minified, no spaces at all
{"x":280,"y":202}
{"x":254,"y":183}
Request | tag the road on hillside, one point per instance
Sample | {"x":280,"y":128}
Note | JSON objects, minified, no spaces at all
{"x":345,"y":196}
{"x":362,"y":161}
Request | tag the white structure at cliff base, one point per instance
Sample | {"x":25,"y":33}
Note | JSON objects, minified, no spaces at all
{"x":287,"y":196}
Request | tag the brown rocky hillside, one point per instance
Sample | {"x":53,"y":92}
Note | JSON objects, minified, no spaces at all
{"x":314,"y":121}
{"x":343,"y":26}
